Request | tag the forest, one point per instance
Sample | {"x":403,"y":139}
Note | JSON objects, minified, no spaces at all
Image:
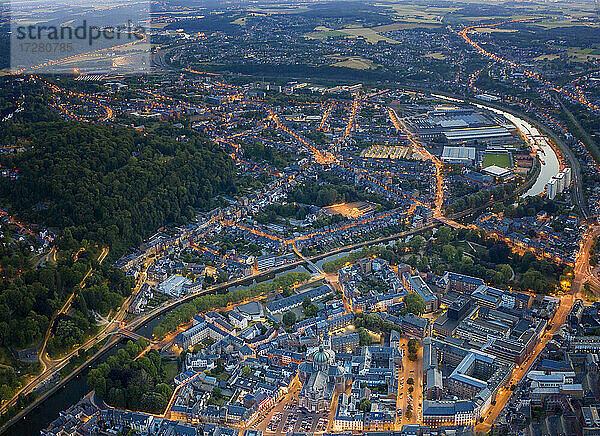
{"x":113,"y":185}
{"x":131,"y":382}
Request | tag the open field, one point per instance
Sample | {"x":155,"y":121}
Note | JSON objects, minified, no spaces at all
{"x":281,"y":10}
{"x":403,"y":25}
{"x":548,"y":57}
{"x":498,"y":159}
{"x":350,"y":210}
{"x":436,"y":55}
{"x":582,"y":55}
{"x":325,"y":34}
{"x":240,"y":21}
{"x":368,"y":34}
{"x":493,"y":30}
{"x":355,"y":62}
{"x":420,"y":14}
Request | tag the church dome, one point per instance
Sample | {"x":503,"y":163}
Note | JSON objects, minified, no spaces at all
{"x":323,"y":357}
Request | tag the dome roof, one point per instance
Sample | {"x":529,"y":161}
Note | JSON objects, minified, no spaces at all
{"x":323,"y":356}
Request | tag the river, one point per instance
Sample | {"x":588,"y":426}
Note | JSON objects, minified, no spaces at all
{"x":539,"y":143}
{"x":76,"y":388}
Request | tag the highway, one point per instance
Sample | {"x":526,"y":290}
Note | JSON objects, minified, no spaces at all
{"x":578,"y":98}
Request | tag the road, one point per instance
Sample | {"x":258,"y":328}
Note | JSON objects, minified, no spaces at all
{"x":439,"y":176}
{"x":412,"y":370}
{"x":581,"y":271}
{"x":520,"y":370}
{"x":50,"y":366}
{"x":579,"y":97}
{"x":43,"y":356}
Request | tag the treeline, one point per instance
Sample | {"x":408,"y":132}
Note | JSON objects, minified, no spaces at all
{"x":104,"y":291}
{"x":494,"y":261}
{"x":113,"y":185}
{"x":134,"y":384}
{"x":331,"y":189}
{"x":324,"y":195}
{"x":481,"y":198}
{"x":335,"y":264}
{"x":276,"y":212}
{"x":205,"y":303}
{"x":374,"y":321}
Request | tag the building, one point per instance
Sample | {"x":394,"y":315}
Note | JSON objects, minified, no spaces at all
{"x":174,"y":285}
{"x":486,"y":296}
{"x":471,"y":387}
{"x":201,"y":330}
{"x":293,"y":301}
{"x":443,"y":413}
{"x":552,"y":189}
{"x":414,"y":326}
{"x":347,"y":343}
{"x":500,"y":174}
{"x":494,"y":135}
{"x":452,"y":281}
{"x":417,"y":285}
{"x":320,"y":377}
{"x":567,"y":173}
{"x":458,"y":155}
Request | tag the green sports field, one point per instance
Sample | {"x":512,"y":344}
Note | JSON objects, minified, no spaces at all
{"x":498,"y":159}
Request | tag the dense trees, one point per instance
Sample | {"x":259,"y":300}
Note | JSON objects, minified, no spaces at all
{"x":28,"y":301}
{"x":330,"y":189}
{"x":364,"y":337}
{"x":310,"y":309}
{"x":364,"y":405}
{"x":289,"y":319}
{"x":278,"y":212}
{"x":414,"y":304}
{"x":373,"y":321}
{"x":263,"y":153}
{"x":104,"y":290}
{"x":109,"y":184}
{"x":481,"y":197}
{"x":136,"y":384}
{"x":494,"y":261}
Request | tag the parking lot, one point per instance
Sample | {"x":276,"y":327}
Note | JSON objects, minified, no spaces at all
{"x":294,"y":419}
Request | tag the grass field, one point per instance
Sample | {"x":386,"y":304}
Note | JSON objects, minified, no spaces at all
{"x":420,"y":14}
{"x":368,"y":34}
{"x":582,"y":54}
{"x":354,"y":62}
{"x":436,"y":55}
{"x":498,"y":159}
{"x":171,"y":370}
{"x":325,"y":34}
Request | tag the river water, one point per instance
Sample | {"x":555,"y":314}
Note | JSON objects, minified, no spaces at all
{"x":539,"y":143}
{"x":75,"y":389}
